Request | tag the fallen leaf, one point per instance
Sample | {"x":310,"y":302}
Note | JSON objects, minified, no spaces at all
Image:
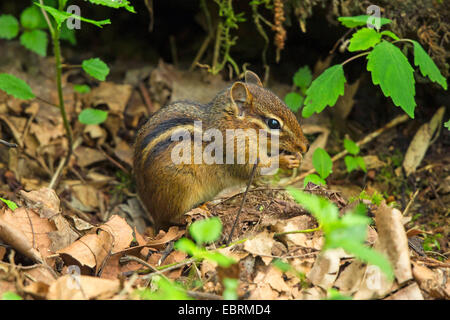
{"x":78,"y":287}
{"x":411,"y":292}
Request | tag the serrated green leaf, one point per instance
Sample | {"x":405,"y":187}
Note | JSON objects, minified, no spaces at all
{"x":92,"y":116}
{"x":115,"y":4}
{"x":350,"y":163}
{"x":32,"y":18}
{"x":206,"y":230}
{"x":390,"y":34}
{"x":61,"y":16}
{"x":351,"y":147}
{"x":391,"y":70}
{"x":361,"y":163}
{"x":322,"y":209}
{"x":96,"y":68}
{"x":294,"y":101}
{"x":36,"y":41}
{"x":81,"y":88}
{"x":11,"y":204}
{"x":322,"y":162}
{"x":358,"y":21}
{"x":324,"y":90}
{"x":314,"y":178}
{"x":364,"y":39}
{"x":15,"y":87}
{"x":427,"y":66}
{"x":303,"y":77}
{"x":9,"y":26}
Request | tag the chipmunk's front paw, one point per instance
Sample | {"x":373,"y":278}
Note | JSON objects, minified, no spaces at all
{"x":290,"y":161}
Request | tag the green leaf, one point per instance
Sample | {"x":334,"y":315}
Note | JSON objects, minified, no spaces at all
{"x":350,"y":163}
{"x":364,"y":39}
{"x":8,"y":295}
{"x":322,"y":162}
{"x":217,"y":257}
{"x":427,"y":66}
{"x":322,"y":209}
{"x":61,"y":16}
{"x":92,"y":116}
{"x":11,"y":204}
{"x":281,"y":265}
{"x":68,"y":34}
{"x":96,"y":68}
{"x":9,"y":26}
{"x":367,"y":255}
{"x":81,"y":88}
{"x":206,"y":230}
{"x":324,"y":90}
{"x":15,"y":87}
{"x":36,"y":41}
{"x":163,"y":289}
{"x":32,"y":18}
{"x":114,"y":4}
{"x":361,"y":163}
{"x":351,"y":147}
{"x":231,"y":286}
{"x":391,"y":70}
{"x":314,"y":178}
{"x":294,"y":101}
{"x":333,"y":294}
{"x":358,"y":21}
{"x":187,"y":246}
{"x":390,"y":34}
{"x":447,"y":124}
{"x":303,"y":77}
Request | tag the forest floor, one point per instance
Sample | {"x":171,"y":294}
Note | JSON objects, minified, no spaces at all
{"x":93,"y":222}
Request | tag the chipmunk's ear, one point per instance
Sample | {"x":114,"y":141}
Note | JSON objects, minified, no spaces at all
{"x":240,"y":97}
{"x":251,"y":77}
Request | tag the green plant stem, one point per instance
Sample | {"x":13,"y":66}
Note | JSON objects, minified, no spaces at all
{"x":355,"y":57}
{"x":296,"y":231}
{"x":57,"y":53}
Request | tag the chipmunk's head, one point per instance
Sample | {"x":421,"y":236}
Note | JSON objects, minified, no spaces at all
{"x":261,"y":109}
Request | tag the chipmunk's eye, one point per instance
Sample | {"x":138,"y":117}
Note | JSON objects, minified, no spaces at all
{"x":273,"y":123}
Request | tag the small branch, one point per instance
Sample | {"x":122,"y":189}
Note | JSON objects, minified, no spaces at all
{"x":396,"y":121}
{"x":355,"y":57}
{"x":296,"y":231}
{"x":242,"y":202}
{"x":8,"y":144}
{"x":50,"y":27}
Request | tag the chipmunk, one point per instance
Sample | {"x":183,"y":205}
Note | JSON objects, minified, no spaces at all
{"x":170,"y":188}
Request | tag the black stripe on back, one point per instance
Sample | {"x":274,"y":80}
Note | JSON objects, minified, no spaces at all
{"x":163,"y":127}
{"x":163,"y":145}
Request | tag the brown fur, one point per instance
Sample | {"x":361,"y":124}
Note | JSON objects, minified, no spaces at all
{"x":168,"y":190}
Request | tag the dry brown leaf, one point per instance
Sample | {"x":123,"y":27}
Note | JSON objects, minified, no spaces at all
{"x":261,"y":245}
{"x":326,"y":267}
{"x":72,"y":287}
{"x":411,"y":292}
{"x":124,"y":151}
{"x":64,"y":236}
{"x":121,"y":232}
{"x":319,"y":142}
{"x":44,"y":201}
{"x":38,"y":290}
{"x":392,"y":241}
{"x":294,"y":224}
{"x":87,"y":195}
{"x":26,"y":222}
{"x":432,"y":281}
{"x":421,"y":141}
{"x":86,"y":156}
{"x":374,"y":284}
{"x":114,"y":95}
{"x":350,"y":278}
{"x":164,"y":237}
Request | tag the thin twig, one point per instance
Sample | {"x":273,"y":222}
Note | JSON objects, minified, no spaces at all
{"x":8,"y":144}
{"x":242,"y":202}
{"x":52,"y":32}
